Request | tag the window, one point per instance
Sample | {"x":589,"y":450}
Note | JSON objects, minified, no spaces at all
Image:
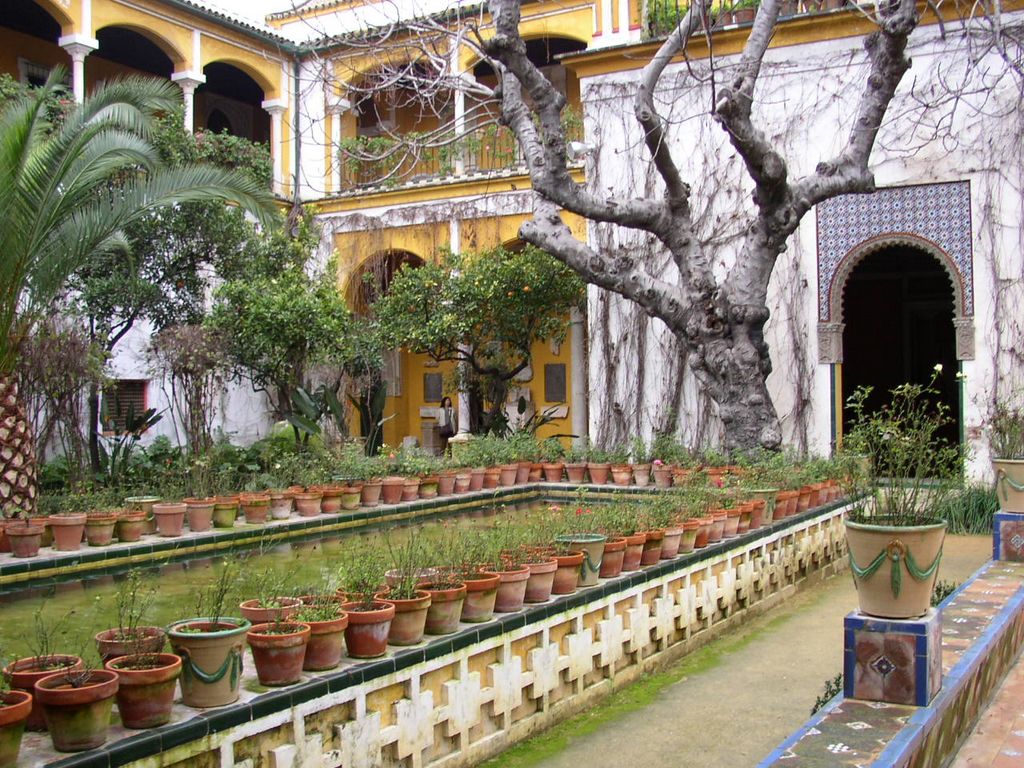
{"x":31,"y":73}
{"x":554,"y":383}
{"x":124,"y":400}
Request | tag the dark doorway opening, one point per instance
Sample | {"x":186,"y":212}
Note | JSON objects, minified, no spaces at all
{"x":898,"y":315}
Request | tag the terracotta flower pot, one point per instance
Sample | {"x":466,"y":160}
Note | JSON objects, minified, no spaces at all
{"x":99,"y":529}
{"x":744,"y":523}
{"x":255,"y":507}
{"x":225,"y":511}
{"x":170,"y":519}
{"x":111,"y":643}
{"x":622,"y":474}
{"x":614,"y":554}
{"x":23,"y":675}
{"x":446,"y":484}
{"x":756,"y":514}
{"x":281,"y":504}
{"x":330,"y":501}
{"x":553,"y":471}
{"x":144,"y":504}
{"x":536,"y":473}
{"x":732,"y":523}
{"x":507,"y":474}
{"x":428,"y":487}
{"x":5,"y":544}
{"x":652,"y":547}
{"x":211,"y":659}
{"x":541,"y":581}
{"x":351,"y":496}
{"x":13,"y":714}
{"x":67,"y":531}
{"x":689,"y":538}
{"x":568,"y":573}
{"x":366,"y":635}
{"x":804,"y":499}
{"x":894,"y":567}
{"x":492,"y":478}
{"x":670,"y":542}
{"x":463,"y":481}
{"x":592,"y":546}
{"x":307,"y":503}
{"x":410,"y":620}
{"x":476,"y":478}
{"x":326,"y":644}
{"x":257,"y":614}
{"x":511,"y":590}
{"x":391,"y":489}
{"x":703,"y":536}
{"x":642,"y":475}
{"x":523,"y":472}
{"x":145,"y":696}
{"x":200,"y":514}
{"x":662,"y":475}
{"x":481,"y":592}
{"x":634,"y":551}
{"x":25,"y":538}
{"x":445,"y":608}
{"x":717,"y":526}
{"x":410,"y":489}
{"x":278,"y":651}
{"x":599,"y":472}
{"x":77,"y":717}
{"x":576,"y":472}
{"x":369,"y":494}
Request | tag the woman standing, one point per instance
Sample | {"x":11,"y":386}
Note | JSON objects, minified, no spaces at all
{"x":446,"y":422}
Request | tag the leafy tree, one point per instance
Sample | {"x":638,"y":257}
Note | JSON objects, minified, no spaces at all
{"x":484,"y":310}
{"x":163,"y":276}
{"x":279,"y":316}
{"x":67,"y":192}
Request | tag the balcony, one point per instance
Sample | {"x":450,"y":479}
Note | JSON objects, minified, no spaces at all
{"x":394,"y":162}
{"x":664,"y":15}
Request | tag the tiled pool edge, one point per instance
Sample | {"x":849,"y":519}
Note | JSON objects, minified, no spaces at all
{"x":573,"y":651}
{"x":52,"y":568}
{"x":930,"y":736}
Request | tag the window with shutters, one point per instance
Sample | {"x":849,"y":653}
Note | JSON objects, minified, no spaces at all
{"x":125,"y":399}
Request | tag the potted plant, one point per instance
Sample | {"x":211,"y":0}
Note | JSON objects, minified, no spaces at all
{"x":77,"y":703}
{"x":641,"y":462}
{"x":621,"y":469}
{"x":67,"y":531}
{"x":99,"y":528}
{"x":15,"y":707}
{"x":552,"y":456}
{"x":210,"y":645}
{"x":369,"y":618}
{"x":1006,"y":436}
{"x":405,"y":592}
{"x":271,"y":602}
{"x":225,"y":510}
{"x":579,"y":534}
{"x":130,"y":525}
{"x":170,"y":518}
{"x":25,"y":536}
{"x":513,"y":573}
{"x":894,"y":538}
{"x":146,"y":686}
{"x":280,"y":503}
{"x":327,"y":622}
{"x":143,"y":504}
{"x":133,"y":599}
{"x":23,"y":674}
{"x":278,"y":650}
{"x":255,"y":507}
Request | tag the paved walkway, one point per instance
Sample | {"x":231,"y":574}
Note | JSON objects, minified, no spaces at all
{"x":734,"y":701}
{"x":997,"y":741}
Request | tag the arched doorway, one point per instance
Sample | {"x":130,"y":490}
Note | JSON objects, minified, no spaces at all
{"x":124,"y":49}
{"x":231,"y":100}
{"x":898,"y":309}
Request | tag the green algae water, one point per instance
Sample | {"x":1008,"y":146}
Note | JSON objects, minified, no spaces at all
{"x":78,"y":609}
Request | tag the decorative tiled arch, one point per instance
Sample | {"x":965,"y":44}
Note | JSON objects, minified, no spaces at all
{"x":934,"y":218}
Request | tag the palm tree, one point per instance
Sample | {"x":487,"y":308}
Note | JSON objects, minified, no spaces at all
{"x":67,"y":190}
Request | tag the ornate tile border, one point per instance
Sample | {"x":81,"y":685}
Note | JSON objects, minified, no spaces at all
{"x":936,"y":217}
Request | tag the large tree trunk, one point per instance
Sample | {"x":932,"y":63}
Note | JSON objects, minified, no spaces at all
{"x":94,"y":428}
{"x":18,"y":468}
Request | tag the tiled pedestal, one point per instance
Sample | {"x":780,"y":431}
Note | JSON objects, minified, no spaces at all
{"x":898,"y":661}
{"x":1008,"y":537}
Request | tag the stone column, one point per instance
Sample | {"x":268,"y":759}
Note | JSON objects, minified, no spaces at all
{"x":578,"y":374}
{"x":276,"y":108}
{"x":78,"y":47}
{"x":188,"y":82}
{"x":455,"y":243}
{"x":336,"y":107}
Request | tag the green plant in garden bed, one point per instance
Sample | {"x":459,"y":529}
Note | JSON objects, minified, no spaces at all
{"x":970,"y":511}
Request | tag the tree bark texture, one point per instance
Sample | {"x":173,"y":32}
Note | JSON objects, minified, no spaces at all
{"x":18,"y":466}
{"x":720,"y":321}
